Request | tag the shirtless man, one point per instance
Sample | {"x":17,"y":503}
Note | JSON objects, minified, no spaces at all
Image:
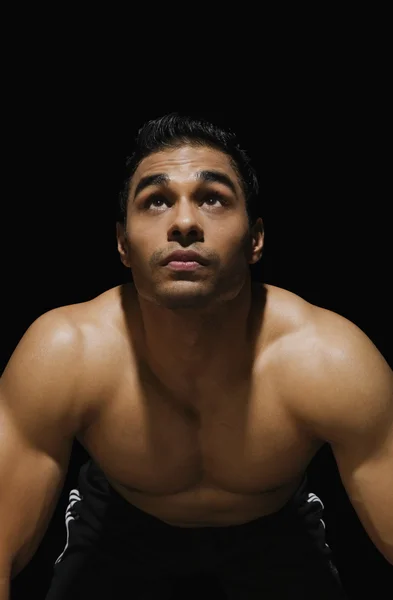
{"x":201,"y":398}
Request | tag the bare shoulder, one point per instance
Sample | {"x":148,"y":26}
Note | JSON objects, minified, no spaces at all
{"x":105,"y":333}
{"x":100,"y":319}
{"x":67,"y":355}
{"x":329,"y":372}
{"x":83,"y":327}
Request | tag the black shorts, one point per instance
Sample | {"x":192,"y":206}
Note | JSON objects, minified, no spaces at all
{"x":115,"y":550}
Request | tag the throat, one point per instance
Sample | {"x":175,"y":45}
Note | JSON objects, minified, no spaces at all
{"x":183,"y":347}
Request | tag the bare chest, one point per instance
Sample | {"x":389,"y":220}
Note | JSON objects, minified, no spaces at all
{"x":241,"y":440}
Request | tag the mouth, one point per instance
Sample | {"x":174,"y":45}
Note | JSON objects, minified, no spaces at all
{"x":187,"y":259}
{"x":182,"y":265}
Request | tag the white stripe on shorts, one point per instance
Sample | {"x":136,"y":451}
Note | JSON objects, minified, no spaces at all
{"x":315,"y":498}
{"x":73,"y":498}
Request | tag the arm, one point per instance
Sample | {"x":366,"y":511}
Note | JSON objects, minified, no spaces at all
{"x":5,"y":588}
{"x":39,"y":419}
{"x":365,"y":462}
{"x":344,"y":390}
{"x":363,"y":446}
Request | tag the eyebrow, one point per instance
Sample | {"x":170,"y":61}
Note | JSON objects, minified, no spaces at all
{"x":205,"y":176}
{"x":217,"y":177}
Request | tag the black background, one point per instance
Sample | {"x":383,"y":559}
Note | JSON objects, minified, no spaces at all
{"x":325,"y":200}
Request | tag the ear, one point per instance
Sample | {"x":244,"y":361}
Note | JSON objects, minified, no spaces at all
{"x":257,"y":240}
{"x":122,"y":245}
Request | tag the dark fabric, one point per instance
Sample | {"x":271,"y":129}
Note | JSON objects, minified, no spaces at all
{"x":116,"y":550}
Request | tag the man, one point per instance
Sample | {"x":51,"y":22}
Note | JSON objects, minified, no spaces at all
{"x":201,"y":397}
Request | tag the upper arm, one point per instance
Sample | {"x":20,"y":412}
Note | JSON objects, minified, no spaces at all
{"x":363,"y":448}
{"x":38,"y":422}
{"x":346,"y":399}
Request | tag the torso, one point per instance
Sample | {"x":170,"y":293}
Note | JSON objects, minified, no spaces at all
{"x":233,"y":461}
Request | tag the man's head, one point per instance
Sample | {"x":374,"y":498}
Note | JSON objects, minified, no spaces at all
{"x":189,"y":187}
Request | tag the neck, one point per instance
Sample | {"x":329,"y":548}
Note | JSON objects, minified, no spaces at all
{"x":186,"y":347}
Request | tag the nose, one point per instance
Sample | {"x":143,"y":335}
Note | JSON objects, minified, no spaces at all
{"x":185,"y":224}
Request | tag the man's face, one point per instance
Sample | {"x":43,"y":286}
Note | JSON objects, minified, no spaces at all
{"x":186,"y":199}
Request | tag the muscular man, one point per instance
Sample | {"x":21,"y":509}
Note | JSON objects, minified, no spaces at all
{"x":201,"y":398}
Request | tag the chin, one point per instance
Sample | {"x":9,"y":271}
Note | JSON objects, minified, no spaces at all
{"x":188,"y":295}
{"x":185,"y":297}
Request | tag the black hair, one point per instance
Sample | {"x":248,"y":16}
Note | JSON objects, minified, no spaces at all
{"x":173,"y":130}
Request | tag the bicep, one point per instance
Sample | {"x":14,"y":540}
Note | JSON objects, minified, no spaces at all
{"x":344,"y":396}
{"x":365,"y":463}
{"x":31,"y":481}
{"x":38,"y":423}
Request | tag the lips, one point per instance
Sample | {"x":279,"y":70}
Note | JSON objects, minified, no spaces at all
{"x":184,"y":256}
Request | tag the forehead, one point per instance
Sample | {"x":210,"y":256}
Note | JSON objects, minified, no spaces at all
{"x":184,"y":162}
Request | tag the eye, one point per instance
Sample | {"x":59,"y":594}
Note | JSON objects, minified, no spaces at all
{"x":156,"y":201}
{"x":213,"y":197}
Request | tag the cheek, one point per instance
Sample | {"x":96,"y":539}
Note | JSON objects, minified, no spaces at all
{"x":140,"y":239}
{"x":232,"y":238}
{"x":144,"y":252}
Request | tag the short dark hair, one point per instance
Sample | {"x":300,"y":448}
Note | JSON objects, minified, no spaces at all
{"x":173,"y":130}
